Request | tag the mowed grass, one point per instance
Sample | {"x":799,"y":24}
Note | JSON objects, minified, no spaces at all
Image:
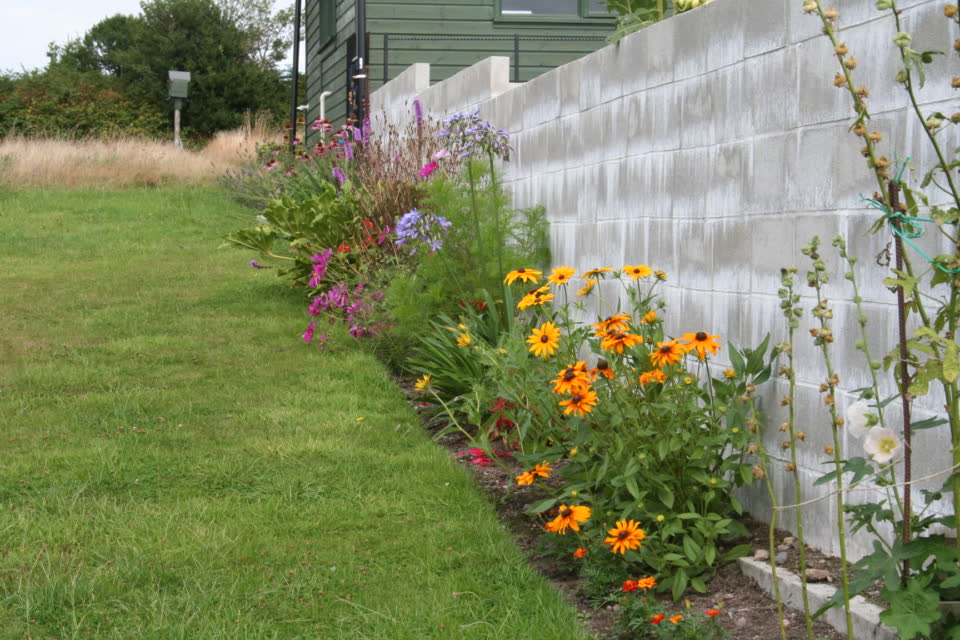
{"x":175,"y":463}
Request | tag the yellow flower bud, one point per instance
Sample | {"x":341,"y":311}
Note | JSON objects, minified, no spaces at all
{"x":831,"y":13}
{"x":950,"y":10}
{"x":839,"y":80}
{"x":876,"y":136}
{"x":841,"y":49}
{"x":851,"y":62}
{"x":860,"y":129}
{"x":828,"y":450}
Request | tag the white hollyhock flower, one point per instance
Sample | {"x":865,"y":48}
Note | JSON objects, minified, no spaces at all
{"x":857,"y":418}
{"x":882,"y":444}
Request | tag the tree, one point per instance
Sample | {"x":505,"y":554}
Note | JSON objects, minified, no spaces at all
{"x":185,"y":35}
{"x":269,"y":33}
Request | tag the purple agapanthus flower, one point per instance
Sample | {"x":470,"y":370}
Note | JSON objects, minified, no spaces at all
{"x":415,"y":227}
{"x":464,"y":134}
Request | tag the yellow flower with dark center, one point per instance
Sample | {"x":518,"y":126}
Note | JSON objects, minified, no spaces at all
{"x":649,"y":317}
{"x":544,"y":340}
{"x":626,"y":535}
{"x":422,"y":383}
{"x":568,"y":518}
{"x":464,"y":340}
{"x":666,"y":353}
{"x":572,"y":379}
{"x":587,"y":288}
{"x":616,"y":322}
{"x":660,"y":274}
{"x":582,"y":402}
{"x":525,"y":478}
{"x":637,"y":272}
{"x":524,"y":275}
{"x":561,"y":275}
{"x":602,"y":369}
{"x":534,"y":298}
{"x":656,"y":376}
{"x":701,"y":342}
{"x":593,"y":273}
{"x":619,"y":340}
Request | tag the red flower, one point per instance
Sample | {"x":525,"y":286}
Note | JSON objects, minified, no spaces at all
{"x":630,"y":585}
{"x":368,"y":224}
{"x":579,"y":553}
{"x":343,"y":248}
{"x":712,"y":612}
{"x":657,"y":619}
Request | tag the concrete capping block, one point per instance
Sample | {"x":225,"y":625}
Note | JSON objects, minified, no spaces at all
{"x":866,"y":615}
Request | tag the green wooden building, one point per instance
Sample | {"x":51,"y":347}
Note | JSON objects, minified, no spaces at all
{"x":451,"y":35}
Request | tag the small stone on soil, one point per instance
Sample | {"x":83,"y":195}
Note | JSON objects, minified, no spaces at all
{"x":781,"y":557}
{"x":817,"y":575}
{"x":789,"y":540}
{"x":760,"y":554}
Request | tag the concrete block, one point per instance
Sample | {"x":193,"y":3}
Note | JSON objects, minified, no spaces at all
{"x":558,"y":193}
{"x":569,"y":81}
{"x":819,"y":100}
{"x":802,"y":27}
{"x":691,"y":44}
{"x":712,"y":107}
{"x":611,"y":247}
{"x":661,"y":249}
{"x":613,"y":138}
{"x":633,"y":58}
{"x":695,"y":244}
{"x":688,"y":186}
{"x":588,"y":197}
{"x":852,"y":178}
{"x":555,"y":133}
{"x":692,"y":310}
{"x":541,"y":99}
{"x":523,"y":155}
{"x":647,"y":186}
{"x":725,"y":179}
{"x":612,"y":67}
{"x":565,"y":240}
{"x":590,"y":81}
{"x":593,"y":126}
{"x":774,"y":246}
{"x":772,"y":101}
{"x":609,"y":188}
{"x":725,"y":33}
{"x":765,"y":173}
{"x":866,"y":616}
{"x":662,"y":51}
{"x":573,"y":140}
{"x":765,"y":26}
{"x":653,"y":120}
{"x":733,"y":240}
{"x":810,"y":173}
{"x":878,"y":59}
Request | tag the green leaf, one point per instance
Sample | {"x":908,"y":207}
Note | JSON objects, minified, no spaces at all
{"x":913,"y":609}
{"x":680,"y":581}
{"x":667,"y":497}
{"x":736,"y":359}
{"x":692,"y":549}
{"x":709,"y":555}
{"x":929,"y":423}
{"x":543,"y":505}
{"x":698,"y":584}
{"x":951,"y":363}
{"x":631,"y":484}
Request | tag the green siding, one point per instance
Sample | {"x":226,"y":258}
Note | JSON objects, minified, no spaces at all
{"x":326,"y":66}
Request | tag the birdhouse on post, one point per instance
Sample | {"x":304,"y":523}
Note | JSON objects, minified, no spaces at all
{"x":177,"y":83}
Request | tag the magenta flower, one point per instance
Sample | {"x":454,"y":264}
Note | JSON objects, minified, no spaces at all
{"x":428,"y":169}
{"x":308,"y":334}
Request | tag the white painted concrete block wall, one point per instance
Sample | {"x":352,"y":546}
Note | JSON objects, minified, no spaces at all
{"x":714,"y":145}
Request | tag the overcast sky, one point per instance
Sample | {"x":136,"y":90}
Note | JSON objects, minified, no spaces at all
{"x":28,"y":26}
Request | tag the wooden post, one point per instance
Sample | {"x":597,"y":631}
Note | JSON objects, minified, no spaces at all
{"x":177,"y":104}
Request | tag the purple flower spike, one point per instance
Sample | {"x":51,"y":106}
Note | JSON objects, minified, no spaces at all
{"x":339,"y":175}
{"x":418,"y":111}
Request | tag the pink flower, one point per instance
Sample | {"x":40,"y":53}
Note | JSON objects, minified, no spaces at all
{"x":443,"y":153}
{"x":308,"y":334}
{"x":428,"y":169}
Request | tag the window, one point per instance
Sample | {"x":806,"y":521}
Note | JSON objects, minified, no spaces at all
{"x":552,"y":9}
{"x":327,"y":24}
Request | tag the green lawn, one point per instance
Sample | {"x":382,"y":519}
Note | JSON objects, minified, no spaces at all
{"x":176,"y":463}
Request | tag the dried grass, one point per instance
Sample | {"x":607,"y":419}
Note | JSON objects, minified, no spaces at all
{"x":125,"y":161}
